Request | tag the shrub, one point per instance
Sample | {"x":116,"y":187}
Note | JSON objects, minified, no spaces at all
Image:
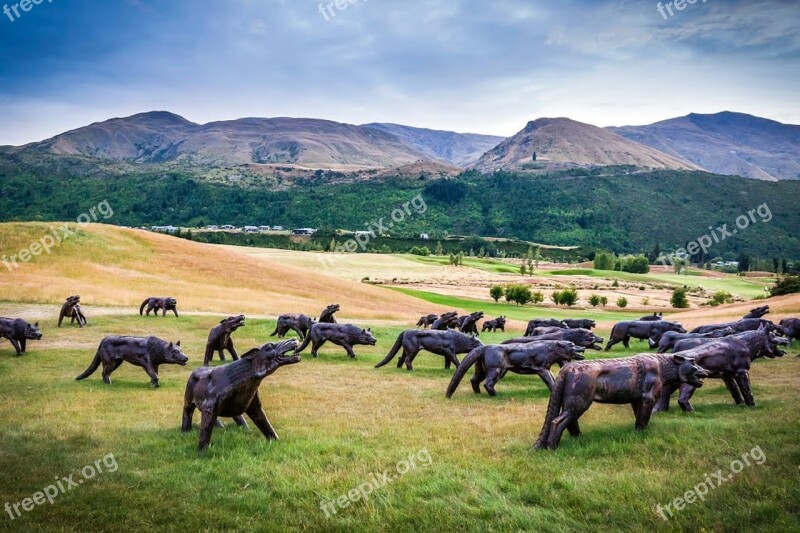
{"x":604,"y":261}
{"x":679,"y":300}
{"x":496,"y":292}
{"x":537,"y":297}
{"x":604,"y":301}
{"x":615,"y":284}
{"x":622,"y":302}
{"x":786,"y":285}
{"x":594,"y":300}
{"x":720,"y":298}
{"x":556,"y":297}
{"x":420,"y":250}
{"x":569,"y":297}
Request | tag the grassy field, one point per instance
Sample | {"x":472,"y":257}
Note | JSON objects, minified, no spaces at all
{"x":340,"y":421}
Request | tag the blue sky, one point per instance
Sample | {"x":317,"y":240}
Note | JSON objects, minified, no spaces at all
{"x":465,"y":65}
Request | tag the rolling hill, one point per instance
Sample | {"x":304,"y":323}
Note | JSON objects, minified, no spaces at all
{"x":726,"y":143}
{"x":562,"y":142}
{"x":459,"y":149}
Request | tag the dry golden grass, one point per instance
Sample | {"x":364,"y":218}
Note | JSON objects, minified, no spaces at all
{"x":112,"y":266}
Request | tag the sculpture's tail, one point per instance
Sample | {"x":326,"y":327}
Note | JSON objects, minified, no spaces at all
{"x":553,"y":409}
{"x":92,"y":366}
{"x":471,"y":358}
{"x":277,"y":327}
{"x":141,"y":307}
{"x":397,"y":344}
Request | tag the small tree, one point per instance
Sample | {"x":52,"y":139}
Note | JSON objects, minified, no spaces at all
{"x":439,"y":250}
{"x":622,"y":302}
{"x":496,"y":292}
{"x":537,"y":297}
{"x":556,"y":297}
{"x":604,"y":301}
{"x":569,"y":297}
{"x":786,"y":285}
{"x":518,"y":293}
{"x":594,"y":300}
{"x":679,"y":299}
{"x":523,"y":269}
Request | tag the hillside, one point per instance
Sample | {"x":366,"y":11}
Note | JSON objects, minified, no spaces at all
{"x":459,"y":149}
{"x":726,"y":143}
{"x":161,"y":136}
{"x":560,"y":142}
{"x":113,"y":266}
{"x":600,"y":208}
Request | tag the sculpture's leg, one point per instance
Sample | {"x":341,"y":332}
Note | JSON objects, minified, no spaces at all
{"x":478,"y":376}
{"x":574,"y":429}
{"x":643,"y":409}
{"x":259,"y":418}
{"x":454,"y":359}
{"x":626,"y":342}
{"x":733,"y":388}
{"x":686,"y":394}
{"x":60,"y":319}
{"x":493,"y":375}
{"x":315,"y":346}
{"x":547,"y":377}
{"x":232,"y":350}
{"x":188,"y":413}
{"x":240,"y":421}
{"x":23,"y":344}
{"x":349,"y":350}
{"x":152,"y":373}
{"x":666,"y":395}
{"x":174,"y":310}
{"x":743,"y":380}
{"x":410,"y":359}
{"x":206,"y":428}
{"x":611,"y":342}
{"x":557,"y":427}
{"x":403,"y":358}
{"x":209,"y":355}
{"x":108,"y":368}
{"x":15,"y":344}
{"x":221,"y":355}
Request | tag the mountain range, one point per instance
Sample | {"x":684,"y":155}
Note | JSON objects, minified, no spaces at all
{"x":724,"y":143}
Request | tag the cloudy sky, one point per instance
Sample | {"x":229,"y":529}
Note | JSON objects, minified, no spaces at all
{"x":465,"y":65}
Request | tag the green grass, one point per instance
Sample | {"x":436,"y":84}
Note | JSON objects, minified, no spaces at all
{"x":486,"y":264}
{"x":341,"y":420}
{"x":516,"y":312}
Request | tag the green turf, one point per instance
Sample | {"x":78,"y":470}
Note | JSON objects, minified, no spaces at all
{"x":517,"y":312}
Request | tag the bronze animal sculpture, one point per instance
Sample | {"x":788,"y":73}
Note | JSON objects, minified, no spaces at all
{"x":581,"y":323}
{"x":758,"y":312}
{"x":739,"y":326}
{"x":728,"y":359}
{"x":541,"y":323}
{"x":545,"y":330}
{"x":445,"y":343}
{"x":469,"y":323}
{"x":71,"y":309}
{"x":146,"y":352}
{"x":232,"y":390}
{"x":157,"y":304}
{"x":580,"y":337}
{"x":446,"y":321}
{"x":494,"y":325}
{"x":638,"y":381}
{"x":426,"y":321}
{"x":326,"y":317}
{"x":639,"y":329}
{"x":18,"y":332}
{"x":668,"y":339}
{"x":493,"y":362}
{"x":790,"y":328}
{"x":300,"y":324}
{"x":219,"y":339}
{"x":344,"y":335}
